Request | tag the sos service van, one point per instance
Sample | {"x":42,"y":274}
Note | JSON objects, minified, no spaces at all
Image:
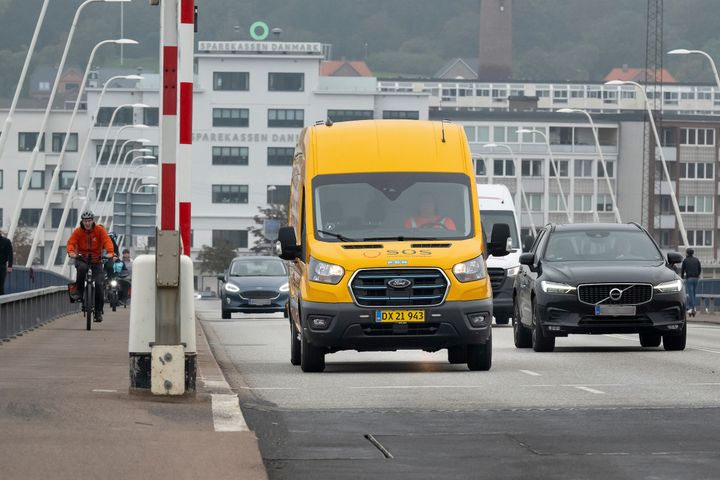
{"x":385,"y":243}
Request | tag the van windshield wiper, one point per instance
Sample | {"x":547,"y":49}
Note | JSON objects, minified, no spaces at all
{"x":399,"y":238}
{"x":339,"y":236}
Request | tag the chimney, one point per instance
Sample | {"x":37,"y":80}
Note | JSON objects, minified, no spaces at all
{"x":495,"y":40}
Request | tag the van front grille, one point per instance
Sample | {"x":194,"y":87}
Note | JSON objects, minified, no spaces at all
{"x":399,"y":287}
{"x":497,"y":277}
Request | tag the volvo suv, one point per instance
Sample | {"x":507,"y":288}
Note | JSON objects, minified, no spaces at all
{"x":598,"y":278}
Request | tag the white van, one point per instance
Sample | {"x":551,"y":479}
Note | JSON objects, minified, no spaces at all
{"x":497,"y":206}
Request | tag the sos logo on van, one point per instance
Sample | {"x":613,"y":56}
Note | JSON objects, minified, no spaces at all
{"x":408,"y":252}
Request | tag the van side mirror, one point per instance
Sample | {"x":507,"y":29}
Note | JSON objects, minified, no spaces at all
{"x":498,"y":246}
{"x":674,"y":257}
{"x":527,"y":259}
{"x":289,"y":249}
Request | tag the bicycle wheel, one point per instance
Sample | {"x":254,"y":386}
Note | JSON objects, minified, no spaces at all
{"x":89,"y":303}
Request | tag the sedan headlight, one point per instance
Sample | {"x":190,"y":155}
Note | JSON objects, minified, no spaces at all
{"x":323,"y":272}
{"x":552,"y":287}
{"x":669,"y":287}
{"x":470,"y":271}
{"x":229,"y":287}
{"x":285,"y":287}
{"x":513,"y":272}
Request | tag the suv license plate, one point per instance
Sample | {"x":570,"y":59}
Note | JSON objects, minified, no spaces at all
{"x":393,"y":316}
{"x":615,"y":310}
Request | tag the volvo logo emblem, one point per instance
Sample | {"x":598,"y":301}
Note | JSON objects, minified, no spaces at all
{"x":399,"y":283}
{"x":616,"y":294}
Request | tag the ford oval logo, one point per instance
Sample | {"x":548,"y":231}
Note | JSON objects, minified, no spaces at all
{"x":399,"y":283}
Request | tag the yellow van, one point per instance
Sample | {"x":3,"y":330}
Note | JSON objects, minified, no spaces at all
{"x":386,"y":245}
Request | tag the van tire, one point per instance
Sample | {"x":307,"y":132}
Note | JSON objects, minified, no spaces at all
{"x":480,"y":356}
{"x":294,"y":345}
{"x":457,"y":355}
{"x":312,"y":359}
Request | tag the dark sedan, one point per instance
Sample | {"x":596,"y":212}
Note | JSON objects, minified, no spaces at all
{"x":254,"y":285}
{"x":598,"y":278}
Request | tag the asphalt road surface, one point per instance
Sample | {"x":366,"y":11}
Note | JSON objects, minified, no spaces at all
{"x":599,"y":407}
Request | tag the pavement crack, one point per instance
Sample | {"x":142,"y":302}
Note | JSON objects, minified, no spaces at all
{"x":386,"y":453}
{"x":524,"y":445}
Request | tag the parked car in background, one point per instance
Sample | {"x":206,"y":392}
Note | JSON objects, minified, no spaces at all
{"x":254,"y":285}
{"x":598,"y":278}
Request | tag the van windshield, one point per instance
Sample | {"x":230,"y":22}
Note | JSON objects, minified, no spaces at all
{"x":489,"y":218}
{"x":392,"y":206}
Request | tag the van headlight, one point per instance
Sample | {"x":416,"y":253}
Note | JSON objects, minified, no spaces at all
{"x":229,"y":287}
{"x":470,"y":271}
{"x":669,"y":287}
{"x":552,"y":287}
{"x":285,"y":287}
{"x":513,"y":272}
{"x":323,"y":272}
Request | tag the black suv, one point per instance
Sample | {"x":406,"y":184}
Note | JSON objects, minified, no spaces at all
{"x":598,"y":278}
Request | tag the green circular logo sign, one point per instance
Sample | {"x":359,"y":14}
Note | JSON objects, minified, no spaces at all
{"x":259,"y":31}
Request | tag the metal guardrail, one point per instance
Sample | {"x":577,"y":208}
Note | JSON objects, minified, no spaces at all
{"x":23,"y":279}
{"x":23,"y":312}
{"x":708,"y":294}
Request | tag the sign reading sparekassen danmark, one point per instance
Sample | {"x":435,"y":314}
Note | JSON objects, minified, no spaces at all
{"x":264,"y":47}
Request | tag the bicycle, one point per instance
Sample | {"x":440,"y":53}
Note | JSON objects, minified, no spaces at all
{"x":88,"y":299}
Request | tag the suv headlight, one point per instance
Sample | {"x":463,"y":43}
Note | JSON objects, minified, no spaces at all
{"x":323,"y":272}
{"x":513,"y":272}
{"x":229,"y":287}
{"x":552,"y":287}
{"x":470,"y":271}
{"x":669,"y":287}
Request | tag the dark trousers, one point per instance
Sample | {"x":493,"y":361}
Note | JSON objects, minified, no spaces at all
{"x":3,"y":272}
{"x":98,"y":275}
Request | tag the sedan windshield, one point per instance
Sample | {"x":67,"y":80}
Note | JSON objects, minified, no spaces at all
{"x":601,"y":245}
{"x":392,"y":206}
{"x":258,"y":268}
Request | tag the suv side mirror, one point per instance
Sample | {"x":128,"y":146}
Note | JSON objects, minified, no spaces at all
{"x":498,"y":246}
{"x":674,"y":257}
{"x":527,"y":258}
{"x":289,"y":249}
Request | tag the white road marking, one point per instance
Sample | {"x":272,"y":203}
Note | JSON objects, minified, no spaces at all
{"x":624,"y":337}
{"x":101,"y":390}
{"x":704,"y":350}
{"x":267,"y":388}
{"x":400,"y":387}
{"x":530,"y":372}
{"x":591,"y":390}
{"x":227,"y":416}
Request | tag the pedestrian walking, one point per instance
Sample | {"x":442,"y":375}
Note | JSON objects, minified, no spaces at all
{"x":6,"y":260}
{"x":690,"y":271}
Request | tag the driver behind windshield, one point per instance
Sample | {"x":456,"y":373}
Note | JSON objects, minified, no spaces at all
{"x":427,"y":216}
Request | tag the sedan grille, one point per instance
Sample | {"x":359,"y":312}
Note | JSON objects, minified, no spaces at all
{"x":632,"y":294}
{"x":421,"y":287}
{"x":259,"y":294}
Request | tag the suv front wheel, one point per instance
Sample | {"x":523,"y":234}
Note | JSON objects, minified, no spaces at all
{"x":540,"y":342}
{"x":675,"y":342}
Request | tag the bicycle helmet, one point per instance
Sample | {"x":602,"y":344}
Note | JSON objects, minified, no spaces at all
{"x":87,"y":214}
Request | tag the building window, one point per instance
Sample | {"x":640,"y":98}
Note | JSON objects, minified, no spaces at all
{"x":236,"y":238}
{"x":583,"y":203}
{"x":561,"y":136}
{"x":668,"y":137}
{"x":229,"y":155}
{"x":71,"y":220}
{"x":286,"y":82}
{"x":556,"y":203}
{"x":235,"y":81}
{"x":583,"y":168}
{"x":118,"y":154}
{"x":503,"y":168}
{"x":562,"y":165}
{"x":280,"y":156}
{"x":280,"y":195}
{"x":37,"y":181}
{"x":700,"y":171}
{"x":124,"y":116}
{"x":469,"y":132}
{"x":348,"y":115}
{"x":700,"y":238}
{"x":401,"y":114}
{"x":230,"y":117}
{"x":610,"y":169}
{"x":30,"y":217}
{"x":697,"y":136}
{"x":483,"y":134}
{"x":696,"y":203}
{"x":66,"y":179}
{"x":59,"y":138}
{"x":480,"y":168}
{"x":532,"y":168}
{"x":26,"y":142}
{"x":285,"y":118}
{"x":535,"y":201}
{"x":604,"y":203}
{"x":2,"y":183}
{"x":229,"y":194}
{"x":151,"y":116}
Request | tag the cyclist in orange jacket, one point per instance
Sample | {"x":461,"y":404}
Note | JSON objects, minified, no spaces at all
{"x":85,"y":245}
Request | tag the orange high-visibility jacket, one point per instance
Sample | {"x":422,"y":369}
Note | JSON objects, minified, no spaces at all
{"x":90,"y":243}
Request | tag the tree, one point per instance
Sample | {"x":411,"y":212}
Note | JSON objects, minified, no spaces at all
{"x":21,"y":243}
{"x":216,"y":259}
{"x":271,"y":212}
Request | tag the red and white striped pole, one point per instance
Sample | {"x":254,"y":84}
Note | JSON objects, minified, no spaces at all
{"x":186,"y":44}
{"x":168,"y":120}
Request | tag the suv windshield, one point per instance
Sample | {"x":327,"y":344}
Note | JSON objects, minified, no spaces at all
{"x":601,"y":245}
{"x":386,"y":206}
{"x":258,"y":268}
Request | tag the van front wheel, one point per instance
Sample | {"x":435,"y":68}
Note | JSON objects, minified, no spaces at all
{"x":480,"y":356}
{"x":312,"y":359}
{"x":294,"y":345}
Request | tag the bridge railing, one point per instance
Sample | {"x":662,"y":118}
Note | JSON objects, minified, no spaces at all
{"x":708,"y":294}
{"x":24,"y":311}
{"x":23,"y":279}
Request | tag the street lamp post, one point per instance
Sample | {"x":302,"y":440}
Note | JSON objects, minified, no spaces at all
{"x":130,"y":170}
{"x":43,"y":124}
{"x":81,"y":163}
{"x":683,"y":51}
{"x":519,"y":181}
{"x":616,"y":211}
{"x":659,"y":148}
{"x":63,"y":149}
{"x":108,"y":219}
{"x":554,"y":165}
{"x":118,"y":165}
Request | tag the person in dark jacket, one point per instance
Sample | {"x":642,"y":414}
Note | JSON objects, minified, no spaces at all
{"x":690,"y":271}
{"x":6,"y":260}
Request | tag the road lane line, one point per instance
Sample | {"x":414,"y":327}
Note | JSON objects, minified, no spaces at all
{"x":268,"y":388}
{"x":401,"y":387}
{"x":530,"y":372}
{"x":101,"y":390}
{"x":591,"y":390}
{"x":227,"y":416}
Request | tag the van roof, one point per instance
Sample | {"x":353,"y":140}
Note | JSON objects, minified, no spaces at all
{"x":388,"y":145}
